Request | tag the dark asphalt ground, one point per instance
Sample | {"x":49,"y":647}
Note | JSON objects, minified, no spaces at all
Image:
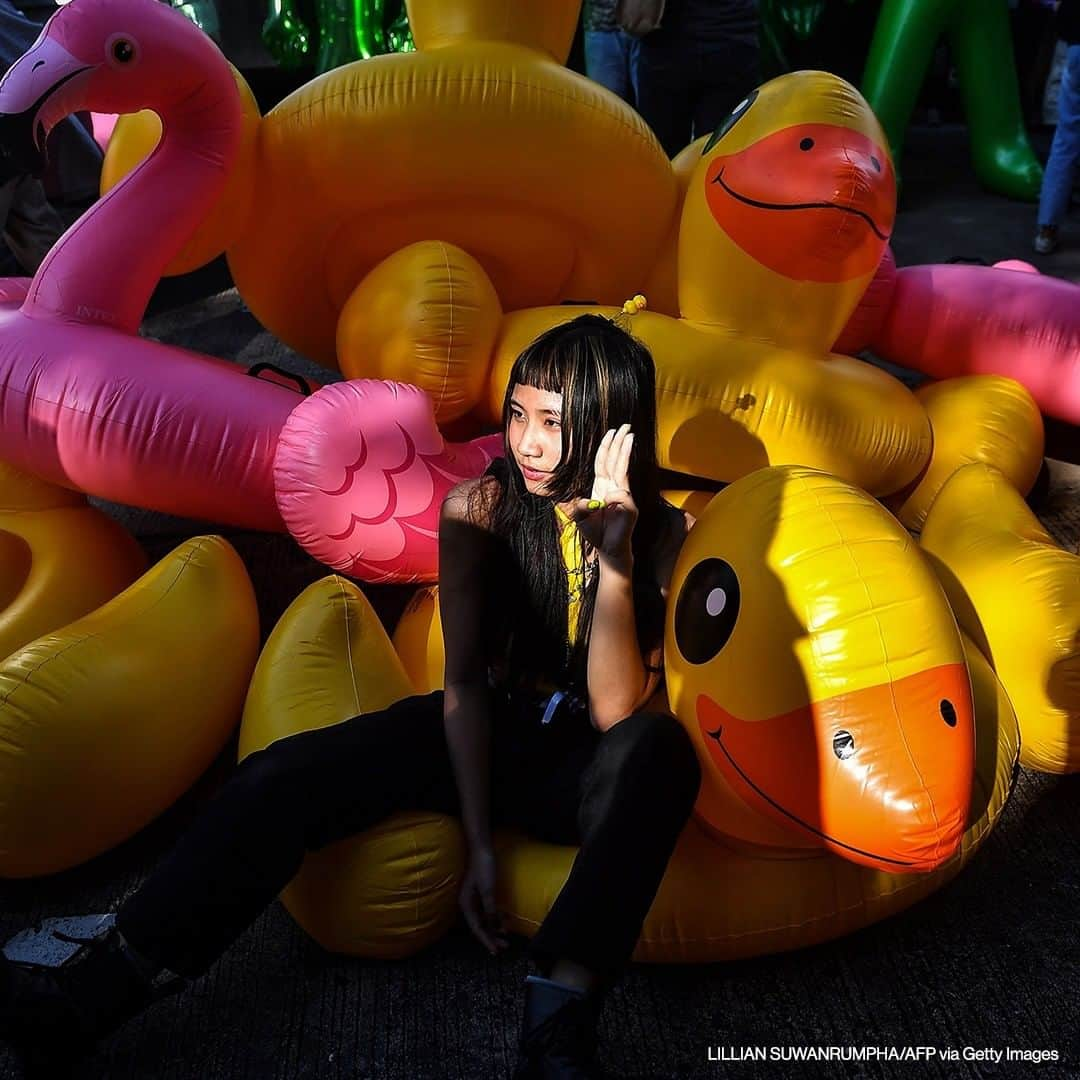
{"x":991,"y":961}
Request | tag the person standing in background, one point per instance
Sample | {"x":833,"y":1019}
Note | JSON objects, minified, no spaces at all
{"x":1065,"y":149}
{"x":700,"y":62}
{"x":29,"y":222}
{"x":611,"y":54}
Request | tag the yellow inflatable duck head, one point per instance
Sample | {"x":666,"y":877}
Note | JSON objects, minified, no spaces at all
{"x":548,"y":27}
{"x":815,"y":662}
{"x":788,"y":212}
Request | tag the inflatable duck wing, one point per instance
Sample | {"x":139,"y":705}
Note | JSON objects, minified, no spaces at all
{"x":1017,"y":594}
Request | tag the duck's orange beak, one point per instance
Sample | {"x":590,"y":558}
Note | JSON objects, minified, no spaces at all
{"x":881,"y":776}
{"x":813,"y":202}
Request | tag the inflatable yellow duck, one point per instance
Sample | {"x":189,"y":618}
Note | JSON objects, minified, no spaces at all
{"x":740,"y":883}
{"x":785,"y":219}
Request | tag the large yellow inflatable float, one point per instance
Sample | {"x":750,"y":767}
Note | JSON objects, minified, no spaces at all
{"x":1017,"y":594}
{"x":740,"y":882}
{"x":106,"y":722}
{"x":481,"y":138}
{"x":390,"y":890}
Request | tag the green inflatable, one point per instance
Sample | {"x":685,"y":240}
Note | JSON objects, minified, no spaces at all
{"x":903,"y":43}
{"x":982,"y":48}
{"x":348,"y":30}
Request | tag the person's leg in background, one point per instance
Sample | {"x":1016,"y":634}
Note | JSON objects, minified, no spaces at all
{"x":605,"y":62}
{"x":1064,"y":153}
{"x":31,"y":226}
{"x":726,"y":74}
{"x":666,"y":90}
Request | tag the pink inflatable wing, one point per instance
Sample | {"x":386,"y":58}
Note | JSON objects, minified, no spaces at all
{"x":361,"y":471}
{"x":969,"y":320}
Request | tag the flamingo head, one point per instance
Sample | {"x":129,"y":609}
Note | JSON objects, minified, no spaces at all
{"x":110,"y":56}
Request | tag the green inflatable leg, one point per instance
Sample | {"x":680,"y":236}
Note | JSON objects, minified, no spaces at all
{"x":978,"y":30}
{"x":900,"y":51}
{"x":285,"y":36}
{"x":337,"y":38}
{"x":983,"y":49}
{"x":368,"y":28}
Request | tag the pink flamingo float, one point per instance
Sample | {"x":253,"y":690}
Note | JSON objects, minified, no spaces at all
{"x":946,"y":320}
{"x":356,"y":472}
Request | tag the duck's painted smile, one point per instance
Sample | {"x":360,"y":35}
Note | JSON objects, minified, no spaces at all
{"x":760,"y":204}
{"x":874,"y":774}
{"x":805,"y":171}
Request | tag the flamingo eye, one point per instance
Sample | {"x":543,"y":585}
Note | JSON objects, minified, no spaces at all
{"x":123,"y":51}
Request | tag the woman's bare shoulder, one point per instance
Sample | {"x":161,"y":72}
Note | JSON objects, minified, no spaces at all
{"x":472,"y":501}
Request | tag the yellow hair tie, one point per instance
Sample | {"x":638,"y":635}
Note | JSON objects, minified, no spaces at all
{"x":635,"y":304}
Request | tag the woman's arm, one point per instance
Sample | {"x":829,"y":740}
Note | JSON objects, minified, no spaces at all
{"x":616,"y":675}
{"x":465,"y":550}
{"x":620,"y":681}
{"x":465,"y":546}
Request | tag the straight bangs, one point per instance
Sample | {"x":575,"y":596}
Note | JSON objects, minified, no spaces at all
{"x":573,"y":360}
{"x":606,"y":379}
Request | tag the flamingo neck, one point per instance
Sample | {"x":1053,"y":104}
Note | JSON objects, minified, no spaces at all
{"x":104,"y":269}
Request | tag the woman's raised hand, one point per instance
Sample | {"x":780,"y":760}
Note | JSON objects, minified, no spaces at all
{"x":607,"y":519}
{"x":477,"y":900}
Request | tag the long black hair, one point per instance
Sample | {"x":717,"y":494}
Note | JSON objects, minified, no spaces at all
{"x":606,"y":378}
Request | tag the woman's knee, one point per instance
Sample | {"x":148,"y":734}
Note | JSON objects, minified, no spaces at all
{"x":265,"y":779}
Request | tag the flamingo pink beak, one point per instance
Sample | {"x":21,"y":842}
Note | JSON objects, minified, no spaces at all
{"x":31,"y":101}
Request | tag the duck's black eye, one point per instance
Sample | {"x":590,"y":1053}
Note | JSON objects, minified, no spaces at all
{"x":877,"y":164}
{"x":806,"y":144}
{"x":732,"y":119}
{"x":706,"y":610}
{"x":948,"y":712}
{"x":123,"y":51}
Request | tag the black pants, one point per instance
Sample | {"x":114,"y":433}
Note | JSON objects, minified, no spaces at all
{"x":686,"y":88}
{"x":624,"y":796}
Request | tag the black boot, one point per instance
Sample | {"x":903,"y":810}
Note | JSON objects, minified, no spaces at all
{"x":52,"y":1016}
{"x":558,"y":1038}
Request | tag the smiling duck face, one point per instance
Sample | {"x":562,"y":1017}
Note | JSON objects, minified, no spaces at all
{"x":815,"y":662}
{"x":795,"y":188}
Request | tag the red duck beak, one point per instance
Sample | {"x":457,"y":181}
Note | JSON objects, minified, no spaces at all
{"x":813,"y":202}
